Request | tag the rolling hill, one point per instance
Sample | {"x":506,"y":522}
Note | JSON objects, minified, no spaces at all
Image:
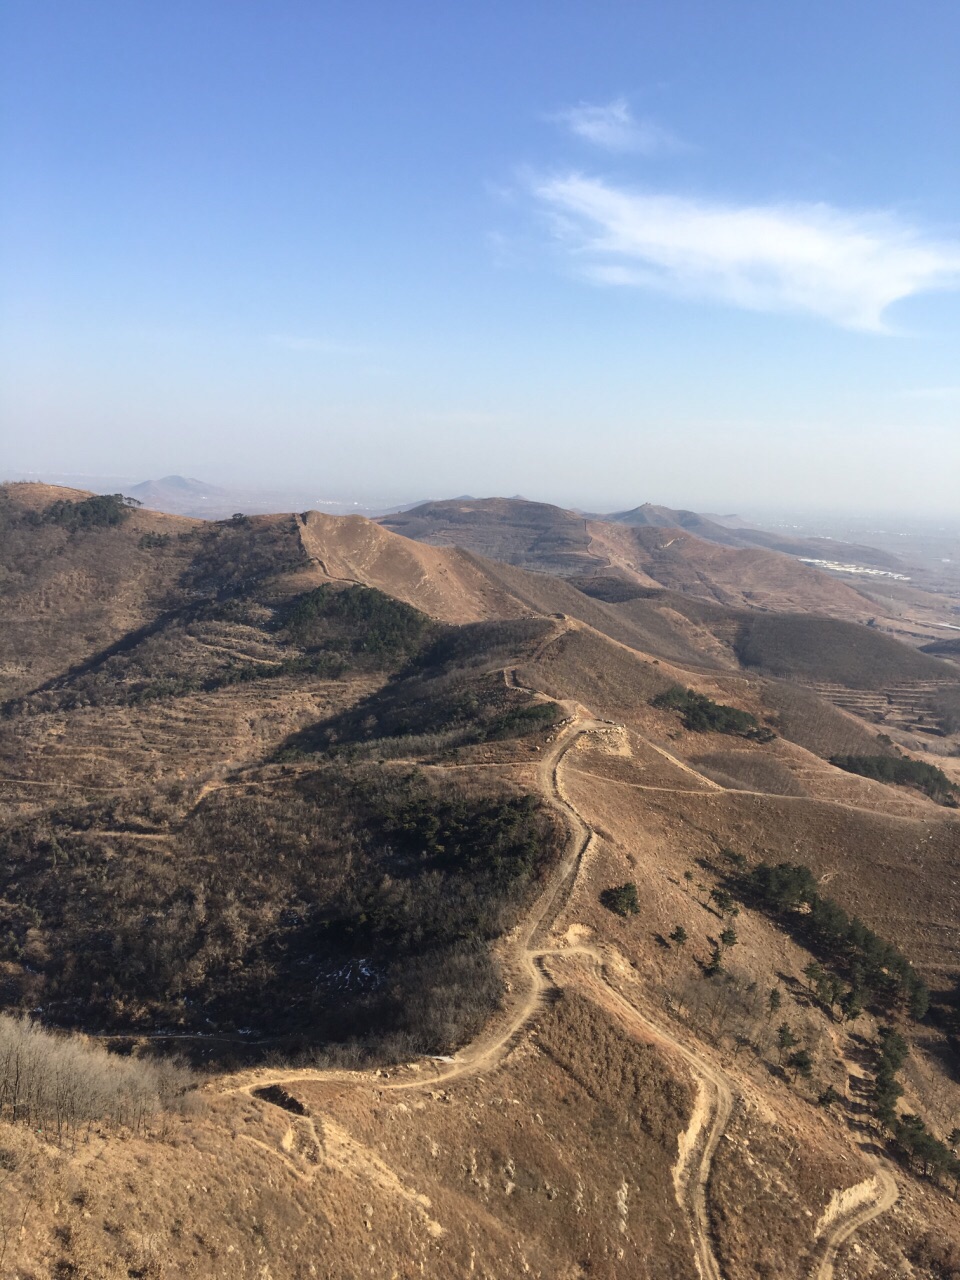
{"x":733,"y":533}
{"x":539,"y":537}
{"x":381,"y":907}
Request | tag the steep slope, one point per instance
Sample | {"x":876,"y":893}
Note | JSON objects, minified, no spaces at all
{"x":753,"y":577}
{"x":730,"y":533}
{"x":530,"y":535}
{"x":69,"y":591}
{"x":464,"y":922}
{"x":444,"y":582}
{"x":540,"y":537}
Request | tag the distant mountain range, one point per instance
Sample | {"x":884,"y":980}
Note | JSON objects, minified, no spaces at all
{"x":725,"y":533}
{"x":649,"y":544}
{"x":183,"y":496}
{"x":177,"y":494}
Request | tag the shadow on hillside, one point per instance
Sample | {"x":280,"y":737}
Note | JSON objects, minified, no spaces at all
{"x":125,"y":644}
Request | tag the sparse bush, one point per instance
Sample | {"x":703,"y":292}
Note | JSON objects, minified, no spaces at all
{"x":622,"y":900}
{"x":939,"y":1257}
{"x":701,"y":714}
{"x":903,"y":771}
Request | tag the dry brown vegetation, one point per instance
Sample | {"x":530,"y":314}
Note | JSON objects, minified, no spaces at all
{"x":257,"y":811}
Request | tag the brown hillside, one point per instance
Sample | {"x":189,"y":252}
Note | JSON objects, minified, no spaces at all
{"x":443,"y":582}
{"x":537,"y":536}
{"x":458,"y":921}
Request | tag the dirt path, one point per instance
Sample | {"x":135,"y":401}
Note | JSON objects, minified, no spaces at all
{"x":712,"y":1110}
{"x":715,"y":1098}
{"x":706,"y":783}
{"x":91,"y":834}
{"x":713,"y":788}
{"x":239,"y":656}
{"x":879,"y":1194}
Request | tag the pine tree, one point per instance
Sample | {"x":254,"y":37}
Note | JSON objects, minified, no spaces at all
{"x":715,"y":964}
{"x":785,"y":1040}
{"x":801,"y":1063}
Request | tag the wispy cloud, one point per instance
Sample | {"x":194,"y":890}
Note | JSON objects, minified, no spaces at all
{"x":613,"y":127}
{"x":844,"y":267}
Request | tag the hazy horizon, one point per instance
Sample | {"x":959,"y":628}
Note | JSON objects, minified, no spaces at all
{"x":706,"y":257}
{"x":765,"y":513}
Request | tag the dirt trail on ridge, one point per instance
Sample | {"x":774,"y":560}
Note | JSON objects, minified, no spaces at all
{"x":532,"y":954}
{"x":715,"y":1096}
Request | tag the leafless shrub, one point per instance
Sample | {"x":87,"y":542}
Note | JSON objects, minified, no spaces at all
{"x":56,"y":1083}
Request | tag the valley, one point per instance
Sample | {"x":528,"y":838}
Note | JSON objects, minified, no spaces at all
{"x":435,"y":866}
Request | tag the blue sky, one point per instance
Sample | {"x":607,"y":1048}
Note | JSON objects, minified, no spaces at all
{"x":599,"y":253}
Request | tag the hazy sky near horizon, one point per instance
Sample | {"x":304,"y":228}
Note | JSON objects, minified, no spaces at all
{"x":598,"y":253}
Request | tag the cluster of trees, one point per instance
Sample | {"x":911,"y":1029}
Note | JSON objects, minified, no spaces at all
{"x":622,"y":900}
{"x":98,"y":512}
{"x":368,"y":628}
{"x":495,"y":839}
{"x":830,"y":991}
{"x":892,"y":1052}
{"x":922,"y":1152}
{"x":57,"y":1083}
{"x":522,"y":718}
{"x":354,"y":904}
{"x":154,"y":541}
{"x":230,"y":557}
{"x":457,"y":705}
{"x":798,"y":1060}
{"x":903,"y":771}
{"x":702,"y":714}
{"x":728,"y":938}
{"x":875,"y":969}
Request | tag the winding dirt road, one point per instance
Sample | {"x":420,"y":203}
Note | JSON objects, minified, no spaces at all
{"x":532,"y":954}
{"x":879,"y":1199}
{"x":715,"y":1097}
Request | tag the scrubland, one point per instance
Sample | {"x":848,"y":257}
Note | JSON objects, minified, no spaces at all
{"x":333,"y":818}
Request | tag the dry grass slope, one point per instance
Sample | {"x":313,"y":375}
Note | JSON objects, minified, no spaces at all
{"x":228,"y":831}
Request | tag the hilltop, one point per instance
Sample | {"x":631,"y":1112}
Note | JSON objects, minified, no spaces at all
{"x":732,"y":532}
{"x":462,"y":891}
{"x":539,"y":537}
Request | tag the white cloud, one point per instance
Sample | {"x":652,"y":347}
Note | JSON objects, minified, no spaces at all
{"x":845,"y":267}
{"x":613,"y":128}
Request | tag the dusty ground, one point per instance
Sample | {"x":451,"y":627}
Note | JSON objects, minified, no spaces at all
{"x":621,"y":1116}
